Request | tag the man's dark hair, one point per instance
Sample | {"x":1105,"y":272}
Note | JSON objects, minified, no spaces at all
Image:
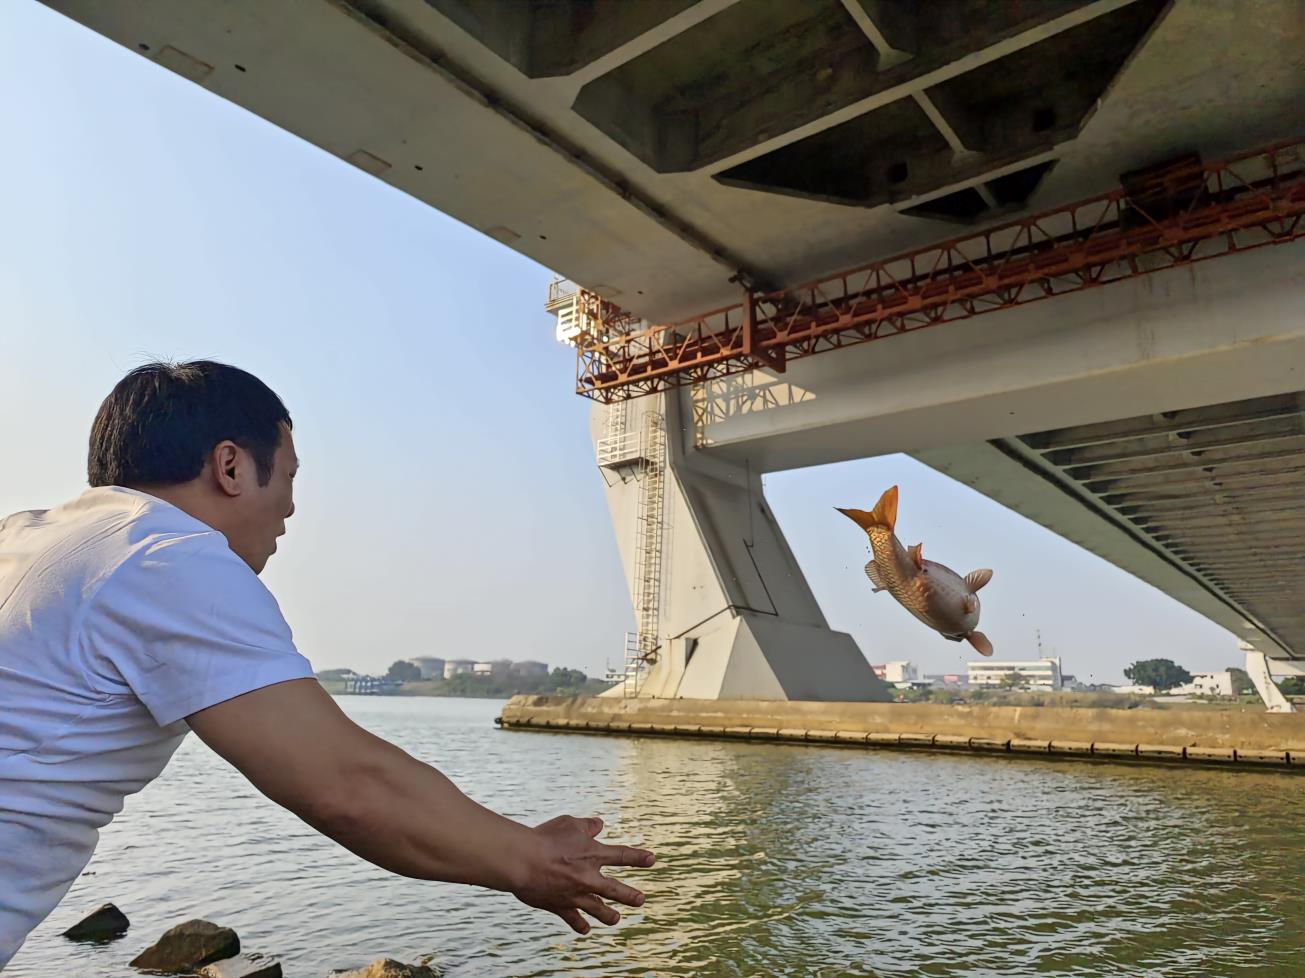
{"x":159,"y":423}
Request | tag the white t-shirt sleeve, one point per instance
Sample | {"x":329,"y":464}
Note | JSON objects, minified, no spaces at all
{"x":184,"y":625}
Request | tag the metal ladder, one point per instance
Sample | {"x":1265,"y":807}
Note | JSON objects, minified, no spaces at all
{"x":650,"y":522}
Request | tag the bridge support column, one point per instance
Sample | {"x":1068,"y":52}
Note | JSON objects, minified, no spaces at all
{"x":1257,"y":667}
{"x":736,"y":618}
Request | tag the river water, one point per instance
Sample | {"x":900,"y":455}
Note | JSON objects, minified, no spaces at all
{"x":773,"y":860}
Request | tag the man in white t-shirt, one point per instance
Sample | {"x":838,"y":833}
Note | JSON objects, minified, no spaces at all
{"x":134,"y":614}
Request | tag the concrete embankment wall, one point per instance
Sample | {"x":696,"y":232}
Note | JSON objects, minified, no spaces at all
{"x":1230,"y":737}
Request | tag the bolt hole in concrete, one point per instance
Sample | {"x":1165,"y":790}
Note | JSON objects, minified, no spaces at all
{"x":240,"y":68}
{"x":143,"y":46}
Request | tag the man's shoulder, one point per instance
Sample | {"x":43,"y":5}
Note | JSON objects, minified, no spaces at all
{"x":110,"y":532}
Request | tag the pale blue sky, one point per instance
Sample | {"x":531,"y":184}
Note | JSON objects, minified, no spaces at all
{"x":449,"y":502}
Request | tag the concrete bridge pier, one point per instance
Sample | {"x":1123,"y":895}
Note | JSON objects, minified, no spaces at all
{"x":723,"y":609}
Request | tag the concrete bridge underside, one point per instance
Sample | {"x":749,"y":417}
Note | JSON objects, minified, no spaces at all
{"x":662,"y":152}
{"x":1158,"y":423}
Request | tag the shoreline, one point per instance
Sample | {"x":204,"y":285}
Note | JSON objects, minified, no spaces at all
{"x":1227,"y":738}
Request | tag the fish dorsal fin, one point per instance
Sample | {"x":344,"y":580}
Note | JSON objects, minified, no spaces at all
{"x":872,"y":572}
{"x":976,"y":579}
{"x":969,"y":604}
{"x":917,"y":556}
{"x":884,"y":514}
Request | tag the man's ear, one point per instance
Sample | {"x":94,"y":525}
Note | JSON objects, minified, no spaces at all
{"x":225,"y":461}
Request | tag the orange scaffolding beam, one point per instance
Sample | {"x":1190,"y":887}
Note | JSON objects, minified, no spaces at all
{"x":1177,"y":215}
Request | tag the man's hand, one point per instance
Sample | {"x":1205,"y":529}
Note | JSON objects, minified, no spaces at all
{"x":564,"y":876}
{"x":296,"y":746}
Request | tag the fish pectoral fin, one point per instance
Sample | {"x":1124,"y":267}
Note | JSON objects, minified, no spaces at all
{"x":980,"y":643}
{"x":970,"y":604}
{"x":872,"y":572}
{"x":917,"y":556}
{"x":976,"y":579}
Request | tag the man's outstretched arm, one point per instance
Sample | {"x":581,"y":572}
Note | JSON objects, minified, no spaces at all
{"x":297,"y":747}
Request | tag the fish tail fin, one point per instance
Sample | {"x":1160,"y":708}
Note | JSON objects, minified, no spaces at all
{"x":884,"y":514}
{"x":980,"y":643}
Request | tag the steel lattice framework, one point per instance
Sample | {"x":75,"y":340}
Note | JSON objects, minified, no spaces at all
{"x":1174,"y":215}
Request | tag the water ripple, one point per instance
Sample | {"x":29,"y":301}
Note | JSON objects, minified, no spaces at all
{"x":774,"y":860}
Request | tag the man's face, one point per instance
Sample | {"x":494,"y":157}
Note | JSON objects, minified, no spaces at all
{"x":261,"y":511}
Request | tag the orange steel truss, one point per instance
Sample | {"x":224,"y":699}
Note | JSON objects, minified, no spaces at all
{"x":1184,"y":213}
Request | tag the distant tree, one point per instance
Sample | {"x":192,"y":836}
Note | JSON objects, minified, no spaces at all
{"x":567,"y":682}
{"x":1012,"y":680}
{"x":470,"y":684}
{"x":1159,"y":674}
{"x":403,"y":671}
{"x":1292,"y":686}
{"x":1241,"y":683}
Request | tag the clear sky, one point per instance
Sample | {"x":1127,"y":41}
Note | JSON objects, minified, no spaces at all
{"x":449,"y":503}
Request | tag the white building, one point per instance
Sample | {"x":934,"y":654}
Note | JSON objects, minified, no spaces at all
{"x":530,"y":668}
{"x":897,"y":672}
{"x":1207,"y":684}
{"x":1032,"y":673}
{"x":456,"y":667}
{"x":429,"y":666}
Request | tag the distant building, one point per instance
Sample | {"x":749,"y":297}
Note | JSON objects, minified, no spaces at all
{"x":1032,"y":673}
{"x":1135,"y":689}
{"x":952,"y":680}
{"x":429,"y":666}
{"x":483,"y":668}
{"x":530,"y":668}
{"x":456,"y":667}
{"x":371,"y":685}
{"x":896,"y":672}
{"x":1207,"y":684}
{"x":336,"y":674}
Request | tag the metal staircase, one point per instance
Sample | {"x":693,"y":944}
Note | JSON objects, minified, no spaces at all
{"x":641,"y":453}
{"x":585,"y":318}
{"x":650,"y":524}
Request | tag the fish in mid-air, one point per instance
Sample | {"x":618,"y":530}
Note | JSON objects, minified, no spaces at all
{"x":935,"y":594}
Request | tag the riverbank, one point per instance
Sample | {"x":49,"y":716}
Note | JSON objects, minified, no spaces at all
{"x":1198,"y":736}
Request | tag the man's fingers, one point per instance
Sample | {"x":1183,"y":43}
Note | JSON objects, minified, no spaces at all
{"x":618,"y":891}
{"x":625,"y":856}
{"x":593,"y":826}
{"x":574,"y":920}
{"x":600,"y":911}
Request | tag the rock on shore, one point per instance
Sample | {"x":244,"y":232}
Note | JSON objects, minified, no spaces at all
{"x":186,"y":947}
{"x":99,"y":925}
